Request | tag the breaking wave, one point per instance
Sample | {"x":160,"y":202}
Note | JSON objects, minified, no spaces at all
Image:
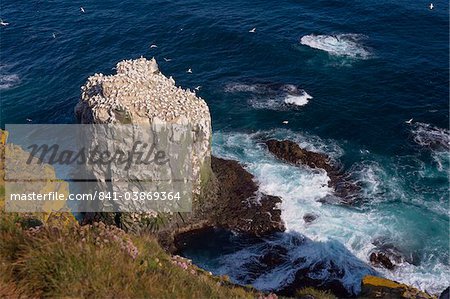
{"x":348,"y":45}
{"x":298,"y":100}
{"x":8,"y":81}
{"x":436,"y":140}
{"x":271,"y":96}
{"x":432,"y":137}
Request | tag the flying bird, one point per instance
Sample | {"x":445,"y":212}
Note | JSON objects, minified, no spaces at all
{"x":153,"y":46}
{"x":29,"y":120}
{"x":54,"y":35}
{"x":189,"y":71}
{"x":253,"y":30}
{"x":285,"y":122}
{"x":198,"y":88}
{"x":82,"y":9}
{"x":3,"y":23}
{"x":167,"y":59}
{"x":409,"y":121}
{"x":431,"y":6}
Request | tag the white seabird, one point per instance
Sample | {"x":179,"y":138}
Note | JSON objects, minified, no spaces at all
{"x":431,"y":6}
{"x":253,"y":30}
{"x":189,"y":71}
{"x":198,"y":87}
{"x":285,"y":122}
{"x":167,"y":59}
{"x":409,"y":121}
{"x":153,"y":46}
{"x":82,"y":9}
{"x":3,"y":23}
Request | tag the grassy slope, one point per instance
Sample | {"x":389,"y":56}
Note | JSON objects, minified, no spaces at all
{"x":97,"y":261}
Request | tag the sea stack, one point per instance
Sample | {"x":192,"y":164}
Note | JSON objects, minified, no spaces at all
{"x":224,"y":193}
{"x":140,"y":94}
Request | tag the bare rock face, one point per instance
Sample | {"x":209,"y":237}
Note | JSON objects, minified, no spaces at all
{"x":139,"y":94}
{"x":239,"y":205}
{"x":52,"y":213}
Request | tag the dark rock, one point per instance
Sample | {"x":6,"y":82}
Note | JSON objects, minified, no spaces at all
{"x":445,"y":294}
{"x":230,"y":201}
{"x":274,"y":257}
{"x":380,"y":259}
{"x":239,"y":205}
{"x":309,"y":217}
{"x":289,"y":151}
{"x":390,"y":251}
{"x":303,"y":279}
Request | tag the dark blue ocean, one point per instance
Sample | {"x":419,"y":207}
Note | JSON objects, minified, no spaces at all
{"x":345,"y":75}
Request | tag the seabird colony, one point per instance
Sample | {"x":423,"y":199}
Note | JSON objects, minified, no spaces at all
{"x":143,"y":93}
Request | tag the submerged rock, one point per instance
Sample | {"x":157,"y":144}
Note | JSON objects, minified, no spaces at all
{"x":309,"y":217}
{"x":312,"y":277}
{"x":388,"y":255}
{"x":291,"y":152}
{"x":380,"y":259}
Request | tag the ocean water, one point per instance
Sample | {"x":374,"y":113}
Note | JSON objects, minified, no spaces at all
{"x":345,"y":75}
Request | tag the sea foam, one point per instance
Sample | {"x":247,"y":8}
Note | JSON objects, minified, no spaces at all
{"x":348,"y":45}
{"x":298,"y":100}
{"x":8,"y":81}
{"x":271,"y":96}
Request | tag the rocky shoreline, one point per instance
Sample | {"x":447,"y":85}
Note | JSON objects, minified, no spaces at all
{"x":226,"y":196}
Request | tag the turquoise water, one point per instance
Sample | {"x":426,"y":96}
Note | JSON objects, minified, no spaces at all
{"x":368,"y":66}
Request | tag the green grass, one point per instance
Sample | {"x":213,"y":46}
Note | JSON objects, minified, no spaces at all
{"x":100,"y":262}
{"x":317,"y":294}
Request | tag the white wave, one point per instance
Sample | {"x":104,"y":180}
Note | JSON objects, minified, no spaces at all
{"x":8,"y":81}
{"x":298,"y":100}
{"x":300,"y":253}
{"x":348,"y":45}
{"x":271,"y":96}
{"x":241,"y":87}
{"x":437,"y":140}
{"x":427,"y":135}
